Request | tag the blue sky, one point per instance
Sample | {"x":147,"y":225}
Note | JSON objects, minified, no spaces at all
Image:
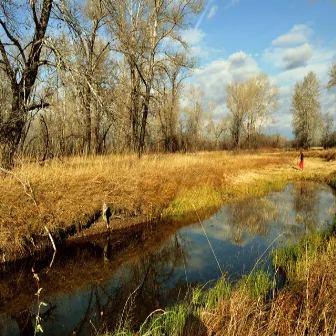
{"x":233,"y":39}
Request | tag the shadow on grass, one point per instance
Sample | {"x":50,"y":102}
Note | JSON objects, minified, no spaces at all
{"x":193,"y":326}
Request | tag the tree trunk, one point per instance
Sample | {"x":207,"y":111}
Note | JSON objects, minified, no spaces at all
{"x":141,"y":145}
{"x":134,"y":114}
{"x":12,"y":131}
{"x":88,"y":121}
{"x":95,"y":133}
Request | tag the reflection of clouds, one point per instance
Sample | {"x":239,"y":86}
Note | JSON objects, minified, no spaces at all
{"x":198,"y":261}
{"x":239,"y":233}
{"x":299,"y":206}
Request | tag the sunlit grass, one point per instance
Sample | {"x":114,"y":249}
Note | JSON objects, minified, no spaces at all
{"x":70,"y":191}
{"x":295,"y":259}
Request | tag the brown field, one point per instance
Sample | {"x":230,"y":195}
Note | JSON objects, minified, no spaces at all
{"x":68,"y":195}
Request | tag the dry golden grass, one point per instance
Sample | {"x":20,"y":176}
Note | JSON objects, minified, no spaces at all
{"x":306,"y":307}
{"x":72,"y":191}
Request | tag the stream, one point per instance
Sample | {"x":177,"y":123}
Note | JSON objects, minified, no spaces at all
{"x":94,"y":284}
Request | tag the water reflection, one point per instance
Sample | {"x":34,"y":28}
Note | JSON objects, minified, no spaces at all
{"x":94,"y":285}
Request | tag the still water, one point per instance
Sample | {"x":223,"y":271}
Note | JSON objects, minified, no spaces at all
{"x":93,"y":285}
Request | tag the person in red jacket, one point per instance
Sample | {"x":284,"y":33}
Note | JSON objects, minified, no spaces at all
{"x":301,"y":160}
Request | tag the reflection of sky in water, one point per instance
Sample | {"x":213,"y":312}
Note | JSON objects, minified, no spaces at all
{"x":282,"y":218}
{"x":239,"y":234}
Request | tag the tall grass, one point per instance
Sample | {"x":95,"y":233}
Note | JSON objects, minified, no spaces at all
{"x":305,"y":305}
{"x":71,"y":192}
{"x":294,"y":259}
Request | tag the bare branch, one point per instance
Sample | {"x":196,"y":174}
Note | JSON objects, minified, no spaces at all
{"x":14,"y":40}
{"x":38,"y":106}
{"x":32,"y":5}
{"x":6,"y":62}
{"x":332,"y":76}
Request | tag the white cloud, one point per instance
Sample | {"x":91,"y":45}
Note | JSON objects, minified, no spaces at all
{"x":214,"y":77}
{"x":297,"y":35}
{"x":291,"y":50}
{"x":297,"y":57}
{"x":232,"y":3}
{"x":212,"y":12}
{"x":199,"y":52}
{"x":291,"y":76}
{"x":196,"y":39}
{"x":193,"y":36}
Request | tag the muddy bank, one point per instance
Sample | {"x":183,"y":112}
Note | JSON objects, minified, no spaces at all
{"x":37,"y":246}
{"x":40,"y":247}
{"x":81,"y":260}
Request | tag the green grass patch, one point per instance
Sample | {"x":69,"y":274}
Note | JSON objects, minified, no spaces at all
{"x":170,"y":322}
{"x":257,"y":189}
{"x":204,"y":198}
{"x":296,"y":258}
{"x":256,"y":284}
{"x":220,"y":291}
{"x":196,"y":199}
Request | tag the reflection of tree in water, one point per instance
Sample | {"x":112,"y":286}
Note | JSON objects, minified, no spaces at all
{"x":306,"y":205}
{"x":25,"y":319}
{"x":145,"y":264}
{"x":139,"y":290}
{"x":253,"y":216}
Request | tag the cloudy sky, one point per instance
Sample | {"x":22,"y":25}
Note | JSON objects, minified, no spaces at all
{"x":233,"y":39}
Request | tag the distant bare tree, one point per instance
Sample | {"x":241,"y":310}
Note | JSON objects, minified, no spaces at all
{"x":327,"y":131}
{"x":237,"y":106}
{"x":306,"y":110}
{"x":261,"y":98}
{"x":193,"y":115}
{"x":250,"y":103}
{"x":332,"y":76}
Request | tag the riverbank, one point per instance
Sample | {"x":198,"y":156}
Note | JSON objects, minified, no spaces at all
{"x":67,"y":196}
{"x":304,"y":306}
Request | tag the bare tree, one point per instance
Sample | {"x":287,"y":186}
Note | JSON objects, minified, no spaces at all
{"x":306,"y":110}
{"x":169,"y":88}
{"x":250,"y":103}
{"x":327,"y":131}
{"x":21,"y":48}
{"x":261,"y":98}
{"x":142,"y":29}
{"x":193,"y":115}
{"x":86,"y":61}
{"x":332,"y":76}
{"x":236,"y":104}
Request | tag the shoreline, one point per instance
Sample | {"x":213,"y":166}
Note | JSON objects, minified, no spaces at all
{"x":258,"y":175}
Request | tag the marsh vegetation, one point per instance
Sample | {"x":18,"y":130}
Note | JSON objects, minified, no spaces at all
{"x":115,"y":281}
